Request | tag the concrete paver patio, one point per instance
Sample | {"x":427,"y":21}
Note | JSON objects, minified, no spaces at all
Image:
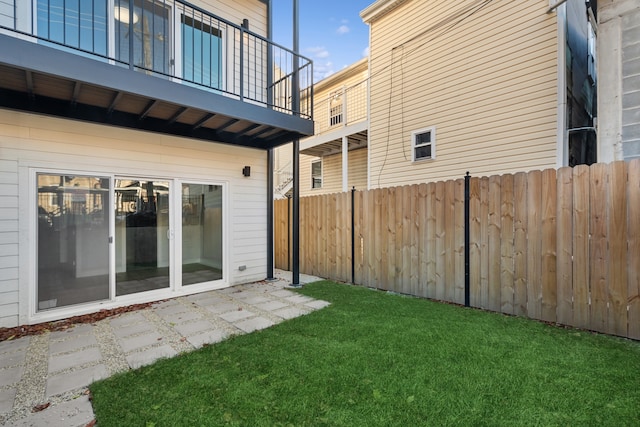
{"x":56,"y":368}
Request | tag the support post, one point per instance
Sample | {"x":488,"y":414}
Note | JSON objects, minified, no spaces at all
{"x":295,"y":104}
{"x":345,"y":163}
{"x":467,"y":272}
{"x":270,"y":225}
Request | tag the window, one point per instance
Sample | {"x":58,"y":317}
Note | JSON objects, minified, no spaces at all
{"x":424,"y":144}
{"x":335,"y":108}
{"x":150,"y":33}
{"x":316,"y":174}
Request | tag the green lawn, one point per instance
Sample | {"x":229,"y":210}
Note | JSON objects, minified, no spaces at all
{"x":375,"y":359}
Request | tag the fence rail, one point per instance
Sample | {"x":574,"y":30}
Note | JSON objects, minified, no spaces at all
{"x":559,"y":246}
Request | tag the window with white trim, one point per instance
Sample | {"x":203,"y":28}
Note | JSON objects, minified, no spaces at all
{"x":316,"y":174}
{"x":335,"y":108}
{"x":423,"y":143}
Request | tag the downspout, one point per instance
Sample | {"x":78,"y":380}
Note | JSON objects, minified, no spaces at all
{"x":562,"y":148}
{"x":295,"y":104}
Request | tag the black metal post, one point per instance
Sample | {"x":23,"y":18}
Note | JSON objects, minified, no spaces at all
{"x":270,"y":173}
{"x":353,"y":236}
{"x":295,"y":104}
{"x":467,"y":278}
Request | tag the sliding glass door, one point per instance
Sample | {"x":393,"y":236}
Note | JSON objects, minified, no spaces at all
{"x":102,"y":237}
{"x":142,"y":235}
{"x":201,"y":233}
{"x":73,"y":240}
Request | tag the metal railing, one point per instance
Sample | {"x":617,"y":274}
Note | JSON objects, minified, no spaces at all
{"x":170,"y":39}
{"x":341,"y":107}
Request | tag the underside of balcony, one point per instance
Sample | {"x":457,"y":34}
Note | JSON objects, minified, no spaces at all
{"x":45,"y":80}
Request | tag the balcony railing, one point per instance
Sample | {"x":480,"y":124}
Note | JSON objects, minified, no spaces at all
{"x":341,"y":107}
{"x":170,"y":39}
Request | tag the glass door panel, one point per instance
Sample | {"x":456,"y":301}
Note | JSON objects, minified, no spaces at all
{"x":201,"y":233}
{"x":73,"y":240}
{"x":141,"y":235}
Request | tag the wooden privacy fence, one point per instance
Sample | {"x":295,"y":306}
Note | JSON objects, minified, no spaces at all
{"x":560,"y":246}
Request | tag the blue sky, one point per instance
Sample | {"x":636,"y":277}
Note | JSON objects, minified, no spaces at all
{"x":332,"y":33}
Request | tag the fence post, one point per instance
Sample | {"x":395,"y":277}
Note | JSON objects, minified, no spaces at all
{"x":353,"y":237}
{"x":467,"y":278}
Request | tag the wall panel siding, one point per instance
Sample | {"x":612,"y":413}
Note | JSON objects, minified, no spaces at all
{"x":489,"y":90}
{"x":29,"y":142}
{"x":332,"y":173}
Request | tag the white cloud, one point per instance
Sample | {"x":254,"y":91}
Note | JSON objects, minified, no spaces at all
{"x":318,"y":52}
{"x":342,"y":29}
{"x":365,"y":52}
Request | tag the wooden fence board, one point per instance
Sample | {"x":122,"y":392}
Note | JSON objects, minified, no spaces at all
{"x":617,"y":236}
{"x":475,"y":242}
{"x":581,"y":214}
{"x":553,"y":245}
{"x":507,"y":245}
{"x":494,"y":242}
{"x":391,"y":261}
{"x":357,"y":229}
{"x":633,"y":253}
{"x":450,"y":240}
{"x":405,"y":250}
{"x":440,"y":241}
{"x":598,"y":248}
{"x":534,"y":245}
{"x":332,"y":224}
{"x":520,"y":244}
{"x":431,"y":240}
{"x":459,"y":241}
{"x":423,"y":253}
{"x":565,"y":246}
{"x":367,"y":231}
{"x":484,"y":239}
{"x":549,"y":277}
{"x":415,"y":220}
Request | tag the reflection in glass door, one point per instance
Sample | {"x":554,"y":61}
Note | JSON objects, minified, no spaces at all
{"x":141,"y":235}
{"x":73,"y":240}
{"x":201,"y":233}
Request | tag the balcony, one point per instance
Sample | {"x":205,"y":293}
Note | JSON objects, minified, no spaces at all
{"x":161,"y":66}
{"x":340,"y":116}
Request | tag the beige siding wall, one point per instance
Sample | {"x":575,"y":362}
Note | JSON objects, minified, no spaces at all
{"x":486,"y":81}
{"x":354,"y":82}
{"x":332,"y":173}
{"x":237,"y":10}
{"x":31,"y":142}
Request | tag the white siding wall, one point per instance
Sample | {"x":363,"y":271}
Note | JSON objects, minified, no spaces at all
{"x":486,"y":81}
{"x":8,"y":240}
{"x":30,"y":141}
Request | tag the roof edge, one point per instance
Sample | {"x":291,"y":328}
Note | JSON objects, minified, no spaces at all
{"x":356,"y":67}
{"x":378,"y":9}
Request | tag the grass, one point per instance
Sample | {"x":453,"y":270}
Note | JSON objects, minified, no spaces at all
{"x":375,"y":359}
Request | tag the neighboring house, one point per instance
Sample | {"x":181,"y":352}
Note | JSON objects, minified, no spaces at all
{"x":334,"y":159}
{"x":134,"y":138}
{"x":619,"y":79}
{"x":485,"y":86}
